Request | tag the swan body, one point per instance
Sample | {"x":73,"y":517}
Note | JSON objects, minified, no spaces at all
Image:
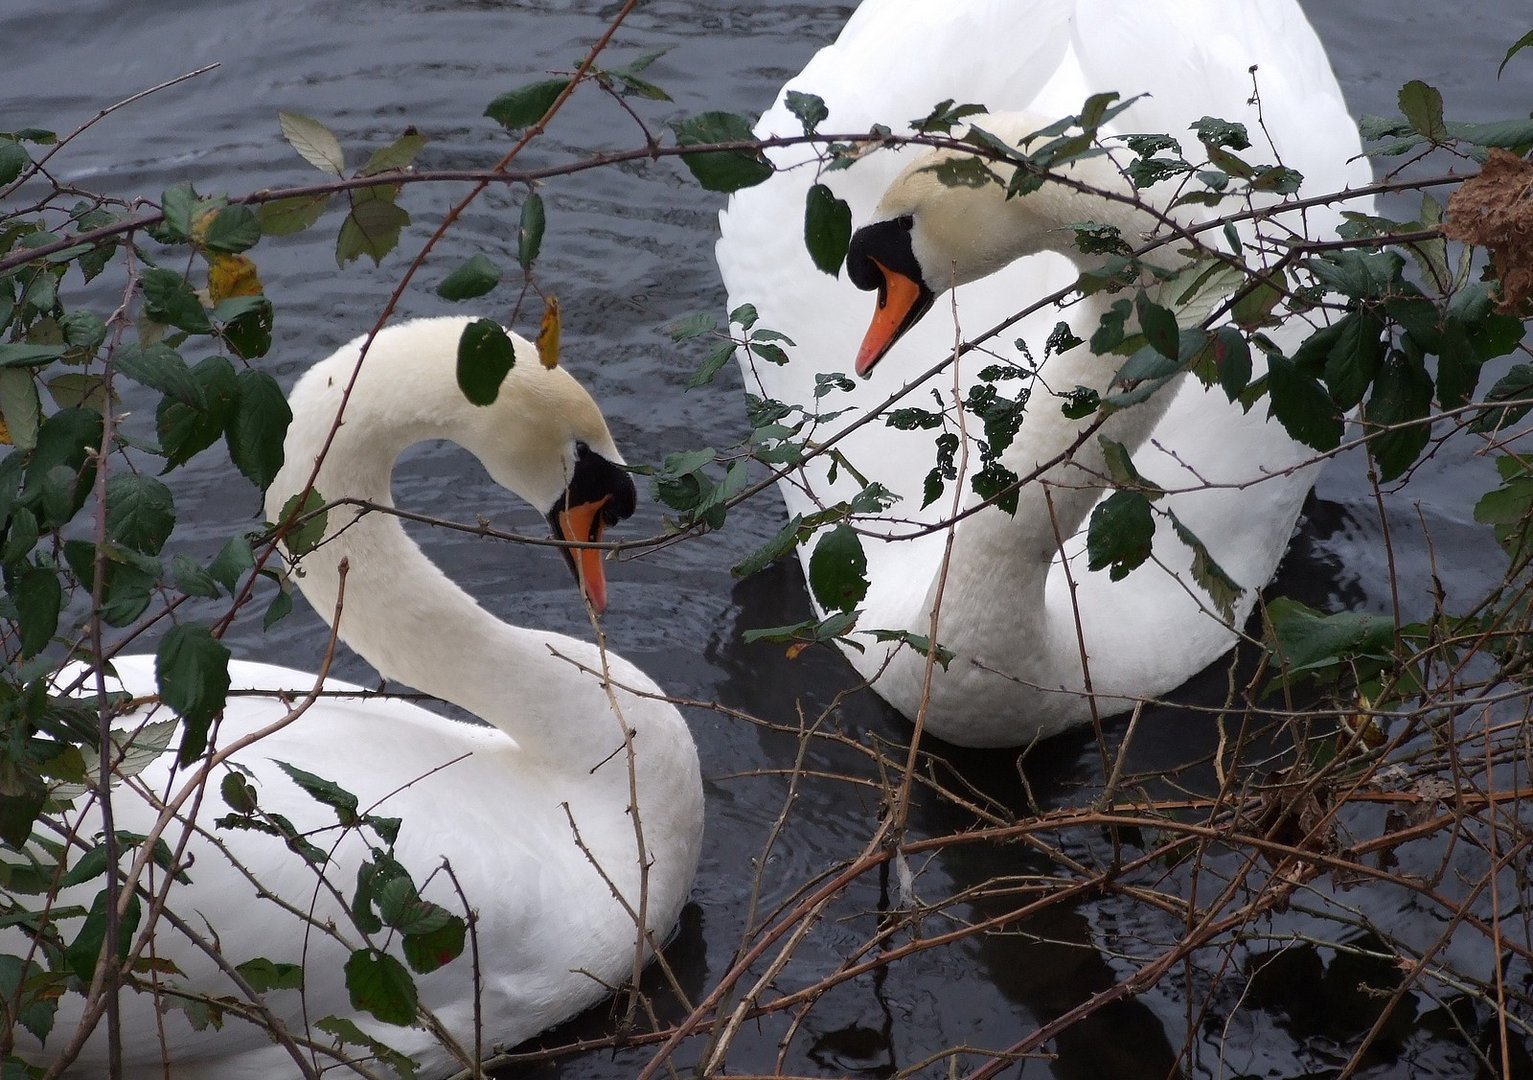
{"x":1007,"y":609}
{"x":499,"y":804}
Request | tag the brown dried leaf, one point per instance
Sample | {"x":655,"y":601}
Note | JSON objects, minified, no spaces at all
{"x":1494,"y":210}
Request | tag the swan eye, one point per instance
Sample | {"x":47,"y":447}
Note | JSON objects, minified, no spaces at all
{"x":907,"y":222}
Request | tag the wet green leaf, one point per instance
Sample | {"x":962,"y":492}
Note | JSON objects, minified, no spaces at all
{"x":808,"y":108}
{"x":191,"y":669}
{"x":189,"y":421}
{"x":529,"y":230}
{"x":425,"y":951}
{"x":233,"y":229}
{"x":827,"y":229}
{"x":1401,"y":393}
{"x":1423,"y":107}
{"x":722,"y":170}
{"x":284,"y":217}
{"x":1120,"y":534}
{"x":380,"y":986}
{"x":325,"y":792}
{"x":1303,"y":406}
{"x":396,"y":156}
{"x":526,"y":106}
{"x":838,"y":569}
{"x":485,"y":357}
{"x":38,"y":597}
{"x":140,"y":512}
{"x":257,"y":427}
{"x":265,"y":975}
{"x":473,"y":278}
{"x":372,"y":228}
{"x":169,"y":298}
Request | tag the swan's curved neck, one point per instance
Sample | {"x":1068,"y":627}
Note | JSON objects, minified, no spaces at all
{"x":992,"y":547}
{"x":400,"y":611}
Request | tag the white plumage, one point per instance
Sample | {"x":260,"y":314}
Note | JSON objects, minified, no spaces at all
{"x":1007,"y":611}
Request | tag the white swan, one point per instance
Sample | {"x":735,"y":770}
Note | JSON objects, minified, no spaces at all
{"x":1006,"y":607}
{"x":499,"y":803}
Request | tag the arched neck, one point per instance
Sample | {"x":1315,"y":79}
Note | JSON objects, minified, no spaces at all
{"x":400,"y":612}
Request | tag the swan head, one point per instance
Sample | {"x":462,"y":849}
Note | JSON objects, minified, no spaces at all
{"x":545,"y":439}
{"x":928,"y":235}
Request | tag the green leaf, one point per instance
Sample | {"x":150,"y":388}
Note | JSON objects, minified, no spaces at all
{"x":1423,"y":107}
{"x":33,"y":991}
{"x":84,"y":952}
{"x":13,"y":158}
{"x":1222,"y":589}
{"x":1355,"y":355}
{"x":1254,"y":308}
{"x":257,"y":427}
{"x":161,"y":368}
{"x":178,"y":204}
{"x":191,"y":579}
{"x":723,"y":170}
{"x":231,"y":563}
{"x":284,"y":217}
{"x":234,"y":229}
{"x":529,"y":230}
{"x":191,"y":669}
{"x":827,"y":229}
{"x":426,"y":951}
{"x":1517,"y":46}
{"x":21,"y":355}
{"x":140,"y":512}
{"x":247,"y":323}
{"x":326,"y":792}
{"x":396,"y":156}
{"x":66,"y":440}
{"x":185,"y":428}
{"x":19,"y":407}
{"x":372,"y":228}
{"x":1402,"y":392}
{"x":1303,"y":639}
{"x":1302,"y":406}
{"x":474,"y":278}
{"x":1159,"y":327}
{"x":169,"y":298}
{"x":1515,"y":385}
{"x":808,"y":108}
{"x":525,"y":107}
{"x":711,"y":365}
{"x":38,"y":597}
{"x":1120,"y":533}
{"x":838,"y":569}
{"x":1232,"y":356}
{"x":380,"y":986}
{"x":265,"y":975}
{"x":238,"y":793}
{"x":303,"y":538}
{"x":485,"y":357}
{"x":347,"y":1033}
{"x":402,"y":908}
{"x":314,"y":142}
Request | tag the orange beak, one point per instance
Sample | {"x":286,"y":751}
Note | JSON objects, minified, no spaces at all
{"x":901,"y":302}
{"x":584,"y":524}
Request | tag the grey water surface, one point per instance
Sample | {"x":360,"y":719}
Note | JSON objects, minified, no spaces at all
{"x":628,"y":250}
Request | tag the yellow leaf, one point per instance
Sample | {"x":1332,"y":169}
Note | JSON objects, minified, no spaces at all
{"x":232,"y":275}
{"x":548,"y":334}
{"x":5,"y":433}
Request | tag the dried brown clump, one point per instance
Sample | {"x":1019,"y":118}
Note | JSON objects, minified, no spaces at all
{"x":1494,"y":210}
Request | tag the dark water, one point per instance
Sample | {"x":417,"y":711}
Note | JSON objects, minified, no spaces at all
{"x":627,"y":251}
